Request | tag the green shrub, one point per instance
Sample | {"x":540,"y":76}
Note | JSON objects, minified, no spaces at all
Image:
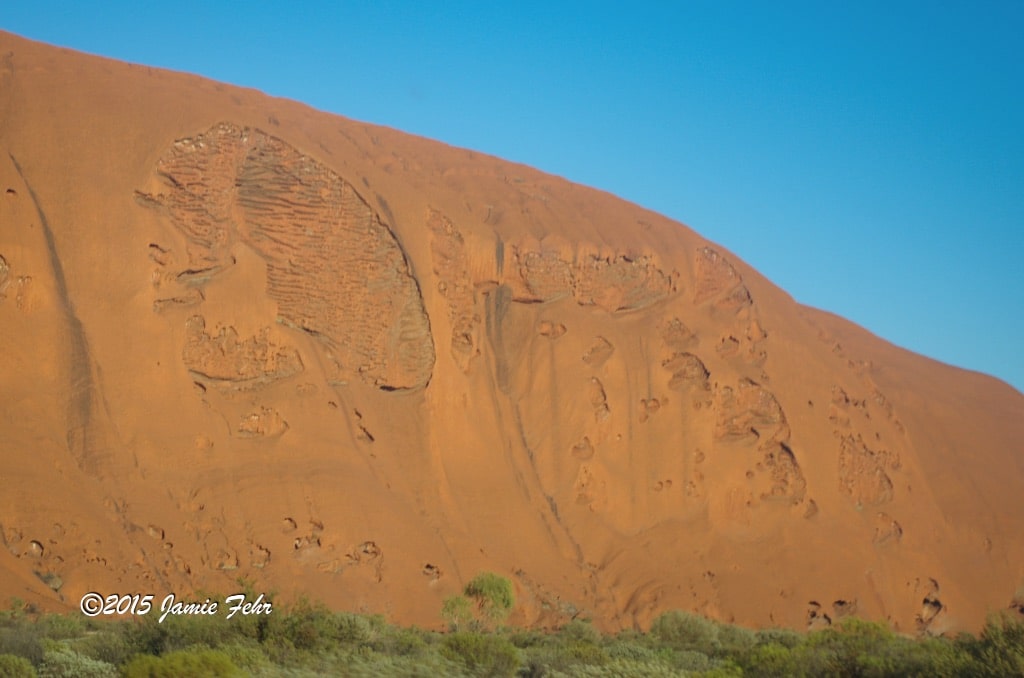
{"x":353,"y":628}
{"x":691,"y":660}
{"x":401,"y":642}
{"x":277,"y":647}
{"x":524,"y":638}
{"x":631,"y":650}
{"x":15,"y":610}
{"x":484,"y":655}
{"x":684,"y":631}
{"x":726,"y":669}
{"x":771,"y":660}
{"x":999,"y":651}
{"x":787,"y":638}
{"x":560,"y":654}
{"x":836,"y":650}
{"x":580,"y":631}
{"x":151,"y":636}
{"x":860,"y":648}
{"x":301,"y":633}
{"x":457,"y":611}
{"x":493,"y":594}
{"x":107,"y":645}
{"x":60,"y":626}
{"x":13,"y":666}
{"x":246,"y":654}
{"x":619,"y":668}
{"x":22,"y":639}
{"x":310,"y":640}
{"x":734,"y":641}
{"x":576,"y":644}
{"x":204,"y":663}
{"x":63,"y":662}
{"x":307,"y":626}
{"x":359,"y":665}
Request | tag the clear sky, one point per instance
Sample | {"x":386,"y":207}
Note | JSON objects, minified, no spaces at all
{"x":866,"y":156}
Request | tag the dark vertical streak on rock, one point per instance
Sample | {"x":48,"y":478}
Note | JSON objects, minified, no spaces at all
{"x":80,"y":404}
{"x":6,"y":88}
{"x":497,"y":308}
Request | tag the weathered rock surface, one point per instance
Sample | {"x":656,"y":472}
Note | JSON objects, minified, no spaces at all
{"x":245,"y":338}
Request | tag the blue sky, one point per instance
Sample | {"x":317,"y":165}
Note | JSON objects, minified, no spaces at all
{"x":868,"y":157}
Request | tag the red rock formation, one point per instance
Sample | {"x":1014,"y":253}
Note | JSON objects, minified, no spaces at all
{"x":245,"y":338}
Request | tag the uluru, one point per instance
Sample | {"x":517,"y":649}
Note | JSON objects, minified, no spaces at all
{"x":243,"y":339}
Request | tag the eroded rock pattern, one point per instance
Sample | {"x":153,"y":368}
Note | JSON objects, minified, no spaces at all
{"x":619,"y":283}
{"x":677,"y":336}
{"x":265,"y":422}
{"x":688,"y":371}
{"x":718,"y":281}
{"x":887,"y":530}
{"x":448,"y":250}
{"x":931,"y":606}
{"x":600,"y":350}
{"x":598,"y":399}
{"x":787,"y":481}
{"x":223,"y":357}
{"x":863,"y":472}
{"x":546,"y":275}
{"x":751,"y":413}
{"x":334,"y":268}
{"x":5,"y":270}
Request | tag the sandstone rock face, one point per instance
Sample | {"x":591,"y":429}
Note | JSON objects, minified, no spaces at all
{"x":244,"y":338}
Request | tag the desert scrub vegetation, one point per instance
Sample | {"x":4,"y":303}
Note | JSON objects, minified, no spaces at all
{"x":308,"y":639}
{"x":486,"y":600}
